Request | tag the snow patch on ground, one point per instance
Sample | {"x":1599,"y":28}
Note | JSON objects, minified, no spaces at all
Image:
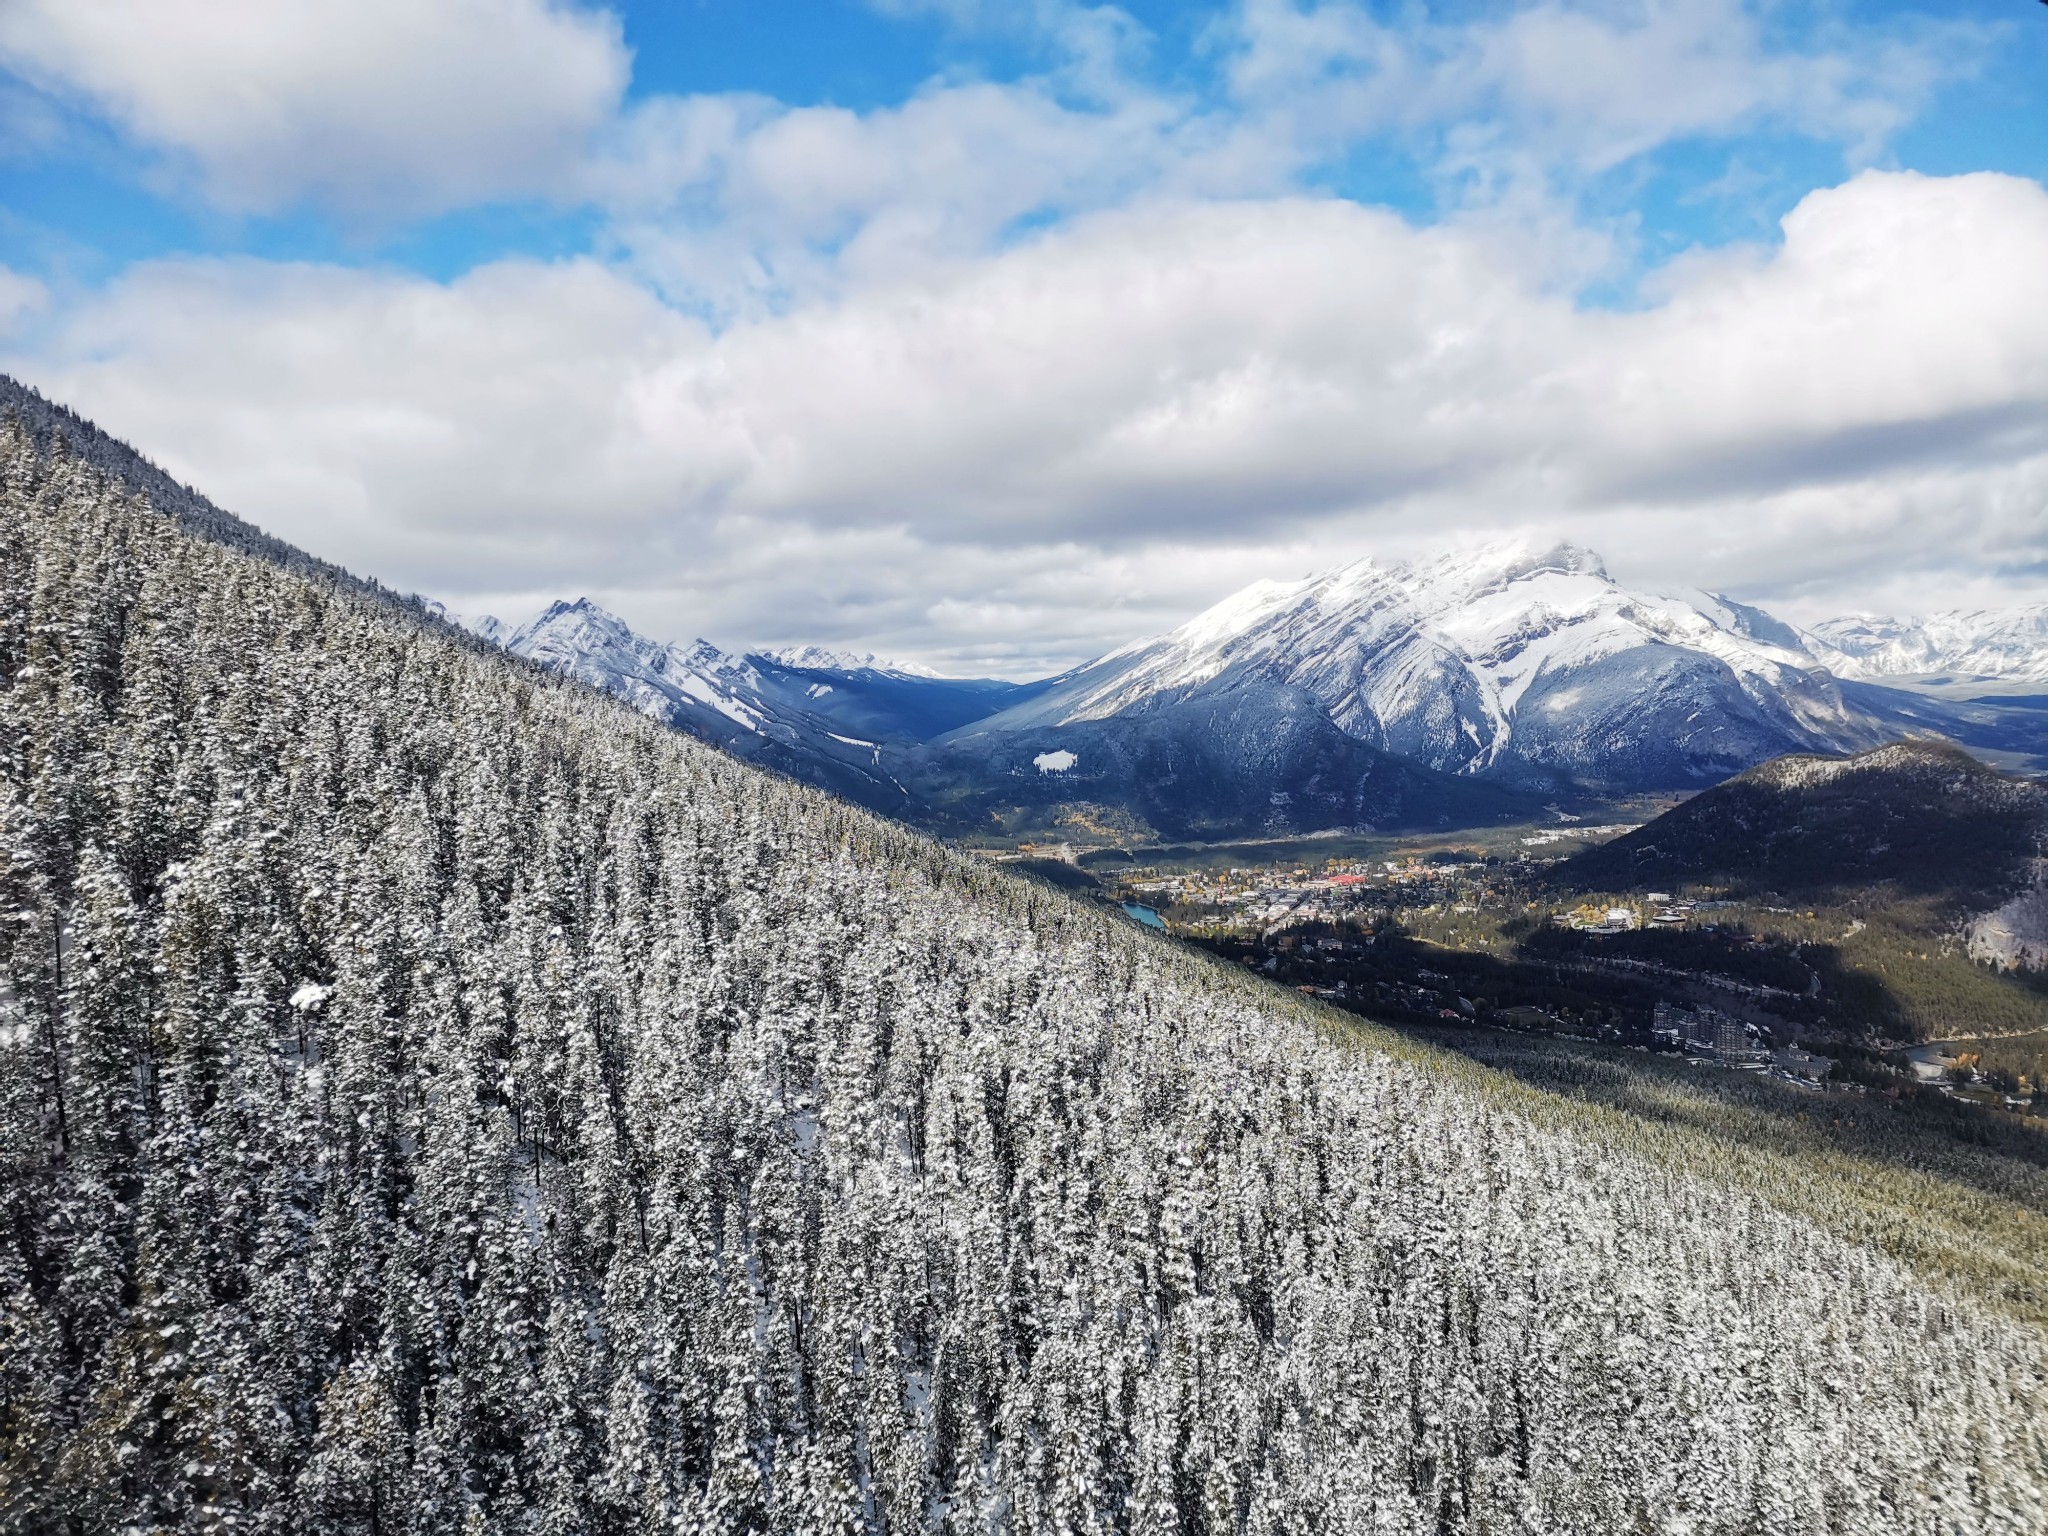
{"x":707,"y":692}
{"x":1054,"y":762}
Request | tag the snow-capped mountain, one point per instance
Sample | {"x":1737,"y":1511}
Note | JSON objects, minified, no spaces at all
{"x":1515,"y":661}
{"x":700,"y":689}
{"x":819,"y":658}
{"x":817,"y":715}
{"x":2002,"y":645}
{"x":485,"y":626}
{"x":1340,"y":700}
{"x":586,"y":642}
{"x":1246,"y":764}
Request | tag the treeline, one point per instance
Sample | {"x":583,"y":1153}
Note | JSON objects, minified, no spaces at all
{"x":54,"y":428}
{"x":434,"y":1100}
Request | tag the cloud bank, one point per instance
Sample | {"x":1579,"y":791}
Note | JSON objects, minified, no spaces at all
{"x":1290,"y":376}
{"x":1002,"y":374}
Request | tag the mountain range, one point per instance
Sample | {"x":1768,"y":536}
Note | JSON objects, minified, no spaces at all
{"x":1518,"y":663}
{"x":1987,"y":647}
{"x":911,"y":744}
{"x":819,"y":716}
{"x":1469,"y":688}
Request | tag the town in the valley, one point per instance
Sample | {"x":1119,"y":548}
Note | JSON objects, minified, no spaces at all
{"x":1444,"y":937}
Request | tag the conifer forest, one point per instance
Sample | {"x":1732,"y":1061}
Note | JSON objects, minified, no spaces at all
{"x":435,"y":1099}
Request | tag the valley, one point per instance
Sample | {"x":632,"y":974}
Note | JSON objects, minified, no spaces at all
{"x":1827,"y":943}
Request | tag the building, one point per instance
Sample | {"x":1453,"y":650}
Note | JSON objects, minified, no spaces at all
{"x":1601,"y":920}
{"x":1794,"y":1062}
{"x":1711,"y":1033}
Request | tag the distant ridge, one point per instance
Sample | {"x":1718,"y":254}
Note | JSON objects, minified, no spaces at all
{"x":820,"y":658}
{"x":1921,"y":816}
{"x":842,"y":728}
{"x":2008,"y":646}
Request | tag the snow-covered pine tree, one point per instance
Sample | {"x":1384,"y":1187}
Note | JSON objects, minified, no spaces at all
{"x":434,"y":1099}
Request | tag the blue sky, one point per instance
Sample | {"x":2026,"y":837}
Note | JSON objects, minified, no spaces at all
{"x":995,"y":333}
{"x":91,"y":200}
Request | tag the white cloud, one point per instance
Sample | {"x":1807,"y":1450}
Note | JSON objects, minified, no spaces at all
{"x":390,"y":108}
{"x":377,"y":107}
{"x":21,"y":299}
{"x":428,"y":431}
{"x":740,"y":203}
{"x":1892,"y":329}
{"x":1608,"y":82}
{"x":1094,"y":44}
{"x":745,"y":203}
{"x":1578,"y":87}
{"x":1098,"y":428}
{"x":1010,"y":371}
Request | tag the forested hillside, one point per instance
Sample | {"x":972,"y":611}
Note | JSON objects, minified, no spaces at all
{"x":55,"y":427}
{"x":1922,"y":817}
{"x":433,"y":1098}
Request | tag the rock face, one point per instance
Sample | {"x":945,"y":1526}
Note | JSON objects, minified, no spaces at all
{"x":2015,"y":934}
{"x":1519,"y":663}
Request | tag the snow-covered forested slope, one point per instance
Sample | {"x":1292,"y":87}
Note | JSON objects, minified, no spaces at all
{"x":434,"y":1098}
{"x":2003,"y":645}
{"x":50,"y":424}
{"x":1514,"y":661}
